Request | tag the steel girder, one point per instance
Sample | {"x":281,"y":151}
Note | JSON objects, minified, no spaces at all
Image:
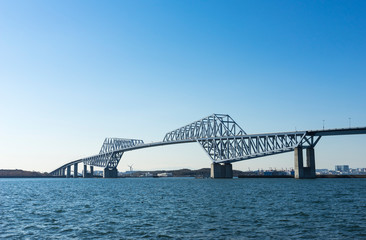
{"x":238,"y":148}
{"x":111,"y":152}
{"x":225,"y":141}
{"x":114,"y":144}
{"x":215,"y":125}
{"x":104,"y":160}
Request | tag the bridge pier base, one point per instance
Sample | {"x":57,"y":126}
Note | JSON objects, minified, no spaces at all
{"x":68,"y":171}
{"x":221,"y":171}
{"x":110,"y":173}
{"x":302,"y":172}
{"x":75,"y":170}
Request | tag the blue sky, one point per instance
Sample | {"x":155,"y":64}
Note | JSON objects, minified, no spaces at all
{"x":75,"y":72}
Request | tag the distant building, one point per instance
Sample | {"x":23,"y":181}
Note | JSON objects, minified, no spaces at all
{"x":148,"y":174}
{"x":98,"y":173}
{"x":342,"y":168}
{"x":322,"y":171}
{"x":165,"y":174}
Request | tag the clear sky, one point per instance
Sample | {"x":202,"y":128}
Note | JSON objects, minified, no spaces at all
{"x":75,"y":72}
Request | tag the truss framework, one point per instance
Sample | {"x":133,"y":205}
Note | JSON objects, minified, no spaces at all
{"x":215,"y":125}
{"x":225,"y":141}
{"x":104,"y":160}
{"x":238,"y":148}
{"x":111,"y":152}
{"x":114,"y":144}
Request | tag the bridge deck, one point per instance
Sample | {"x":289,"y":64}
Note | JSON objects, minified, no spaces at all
{"x":337,"y":131}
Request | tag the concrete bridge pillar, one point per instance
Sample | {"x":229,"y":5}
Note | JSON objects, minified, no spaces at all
{"x":91,"y":171}
{"x":228,"y":170}
{"x":299,"y":164}
{"x":68,"y":171}
{"x":85,"y":171}
{"x":221,"y":171}
{"x":309,"y":170}
{"x":75,"y":170}
{"x":110,"y":173}
{"x":302,"y":172}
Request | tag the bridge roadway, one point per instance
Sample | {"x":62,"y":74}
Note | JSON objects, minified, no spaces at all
{"x":223,"y":140}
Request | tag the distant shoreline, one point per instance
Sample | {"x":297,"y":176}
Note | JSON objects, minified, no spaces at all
{"x":321,"y":176}
{"x":32,"y":177}
{"x":341,"y":176}
{"x":17,"y":173}
{"x":289,"y":176}
{"x":201,"y":173}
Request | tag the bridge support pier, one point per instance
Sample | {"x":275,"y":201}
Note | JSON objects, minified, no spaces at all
{"x":85,"y":171}
{"x":75,"y":170}
{"x":110,"y":172}
{"x":302,"y":172}
{"x":68,"y":171}
{"x":221,"y":171}
{"x":91,"y":171}
{"x":309,"y":170}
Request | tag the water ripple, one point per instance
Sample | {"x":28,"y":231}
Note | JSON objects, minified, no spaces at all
{"x":182,"y":208}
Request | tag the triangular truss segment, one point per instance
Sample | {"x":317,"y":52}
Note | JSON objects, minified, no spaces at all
{"x":114,"y":144}
{"x":215,"y":125}
{"x":238,"y":148}
{"x":110,"y":154}
{"x":225,"y":141}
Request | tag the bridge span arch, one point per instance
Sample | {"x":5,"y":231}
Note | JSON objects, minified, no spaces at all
{"x":224,"y":141}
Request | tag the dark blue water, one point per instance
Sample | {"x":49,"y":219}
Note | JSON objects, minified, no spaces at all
{"x":182,"y":208}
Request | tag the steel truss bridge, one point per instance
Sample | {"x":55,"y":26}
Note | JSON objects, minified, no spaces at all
{"x":223,"y":140}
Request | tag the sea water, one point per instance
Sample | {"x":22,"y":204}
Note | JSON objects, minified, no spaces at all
{"x":182,"y":208}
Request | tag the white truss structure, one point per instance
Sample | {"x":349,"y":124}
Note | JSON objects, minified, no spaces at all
{"x":114,"y":144}
{"x":109,"y":155}
{"x":111,"y":152}
{"x":225,"y":141}
{"x":238,"y":148}
{"x":215,"y":125}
